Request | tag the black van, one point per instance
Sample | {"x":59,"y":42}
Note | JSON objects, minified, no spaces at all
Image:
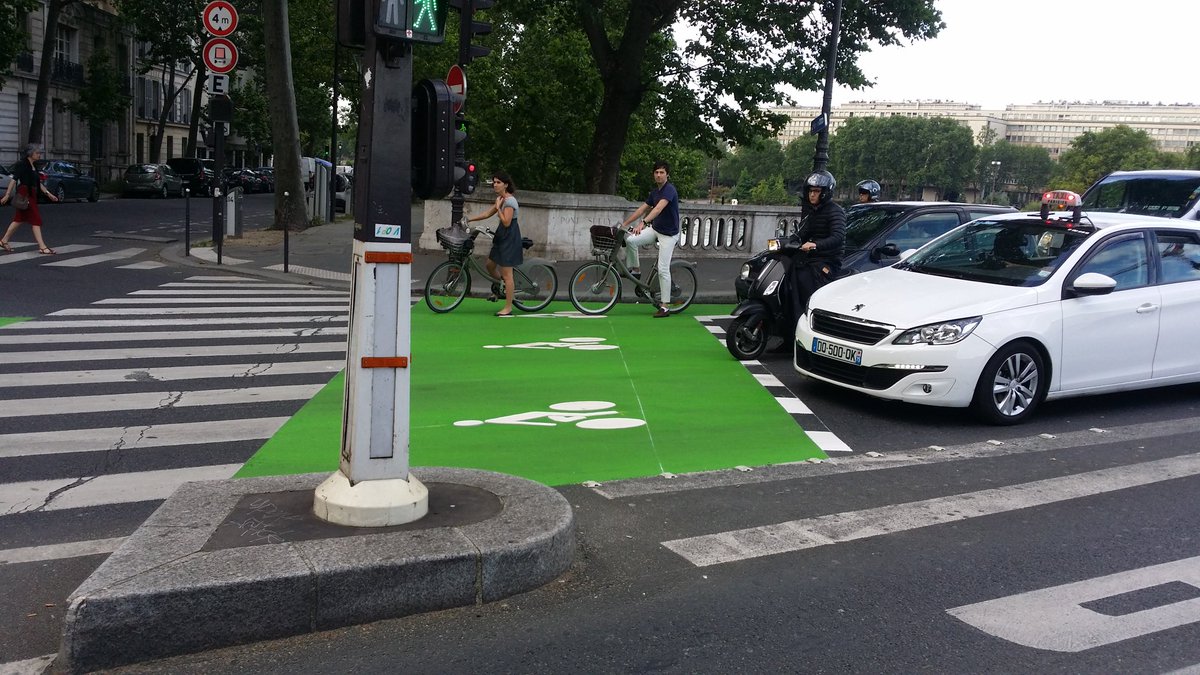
{"x":196,"y":177}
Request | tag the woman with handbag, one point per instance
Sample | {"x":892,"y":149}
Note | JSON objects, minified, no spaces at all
{"x":27,"y":184}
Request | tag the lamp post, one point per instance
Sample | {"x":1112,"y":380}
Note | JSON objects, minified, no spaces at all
{"x":821,"y":155}
{"x":995,"y":174}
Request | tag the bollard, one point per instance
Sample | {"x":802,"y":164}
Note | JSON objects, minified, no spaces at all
{"x":285,"y":234}
{"x":187,"y":222}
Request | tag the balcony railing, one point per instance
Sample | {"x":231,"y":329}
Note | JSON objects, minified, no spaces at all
{"x":67,"y":72}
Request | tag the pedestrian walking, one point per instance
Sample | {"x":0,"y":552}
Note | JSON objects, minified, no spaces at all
{"x":507,"y":251}
{"x":23,"y":192}
{"x":661,"y":212}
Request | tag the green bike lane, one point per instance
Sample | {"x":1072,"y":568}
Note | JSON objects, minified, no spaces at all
{"x":561,"y":398}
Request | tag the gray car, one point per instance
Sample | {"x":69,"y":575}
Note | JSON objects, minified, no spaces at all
{"x":159,"y":180}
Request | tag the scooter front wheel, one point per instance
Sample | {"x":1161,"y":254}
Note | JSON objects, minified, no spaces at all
{"x":747,"y":336}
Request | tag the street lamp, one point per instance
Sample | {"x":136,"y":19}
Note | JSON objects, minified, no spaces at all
{"x":995,"y":174}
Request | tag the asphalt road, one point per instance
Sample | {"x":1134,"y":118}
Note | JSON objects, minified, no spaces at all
{"x":1064,"y":545}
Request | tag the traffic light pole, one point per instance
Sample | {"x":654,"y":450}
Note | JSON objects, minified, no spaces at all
{"x":821,"y":155}
{"x":373,"y":486}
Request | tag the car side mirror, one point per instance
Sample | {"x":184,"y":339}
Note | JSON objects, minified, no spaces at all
{"x":1091,"y":283}
{"x":888,"y":250}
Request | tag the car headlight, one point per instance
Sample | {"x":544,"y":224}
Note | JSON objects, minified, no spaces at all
{"x":745,"y":271}
{"x":944,"y":333}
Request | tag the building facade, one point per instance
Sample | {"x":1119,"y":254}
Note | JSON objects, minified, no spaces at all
{"x":1175,"y":128}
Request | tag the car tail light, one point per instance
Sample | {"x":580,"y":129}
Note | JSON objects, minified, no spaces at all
{"x":157,"y":175}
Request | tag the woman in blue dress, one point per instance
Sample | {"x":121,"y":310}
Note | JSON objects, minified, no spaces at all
{"x":506,"y":250}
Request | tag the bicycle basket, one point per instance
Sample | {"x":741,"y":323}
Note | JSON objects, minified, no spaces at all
{"x":604,"y":239}
{"x":457,"y":243}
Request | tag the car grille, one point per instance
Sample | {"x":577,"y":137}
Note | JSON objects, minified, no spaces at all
{"x":846,"y":328}
{"x":848,"y":373}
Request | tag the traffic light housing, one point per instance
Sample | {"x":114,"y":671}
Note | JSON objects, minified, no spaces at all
{"x":468,"y":28}
{"x":469,"y":180}
{"x":434,"y":137}
{"x":410,"y":20}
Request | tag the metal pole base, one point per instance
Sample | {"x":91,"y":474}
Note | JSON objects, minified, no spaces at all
{"x":371,"y":503}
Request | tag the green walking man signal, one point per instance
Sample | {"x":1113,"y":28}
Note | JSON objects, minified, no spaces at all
{"x":411,"y":20}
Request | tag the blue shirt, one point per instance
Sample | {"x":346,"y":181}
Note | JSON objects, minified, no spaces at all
{"x":667,"y":221}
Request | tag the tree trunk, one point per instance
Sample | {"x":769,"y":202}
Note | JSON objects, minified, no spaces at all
{"x":49,"y":34}
{"x":197,"y":107}
{"x":603,"y":166}
{"x":281,"y":104}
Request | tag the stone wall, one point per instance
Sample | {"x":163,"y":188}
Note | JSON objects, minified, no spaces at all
{"x":559,"y":223}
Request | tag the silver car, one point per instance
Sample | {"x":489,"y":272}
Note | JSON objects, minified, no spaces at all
{"x":159,"y":180}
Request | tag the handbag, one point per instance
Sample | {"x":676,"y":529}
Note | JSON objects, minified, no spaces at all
{"x":20,"y":201}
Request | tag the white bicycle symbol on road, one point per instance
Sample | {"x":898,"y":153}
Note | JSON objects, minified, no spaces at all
{"x":584,"y":414}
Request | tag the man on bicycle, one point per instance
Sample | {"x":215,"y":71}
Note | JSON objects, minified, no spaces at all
{"x":661,"y":212}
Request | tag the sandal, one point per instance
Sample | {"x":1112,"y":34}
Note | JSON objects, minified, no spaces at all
{"x":4,"y":245}
{"x":503,"y":314}
{"x":46,"y":251}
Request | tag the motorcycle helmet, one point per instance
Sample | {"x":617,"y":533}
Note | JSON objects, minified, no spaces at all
{"x":871,"y":188}
{"x":823,"y":180}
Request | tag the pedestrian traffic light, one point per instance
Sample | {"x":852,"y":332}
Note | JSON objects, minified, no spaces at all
{"x":468,"y":28}
{"x":411,"y":20}
{"x":470,"y":179}
{"x":434,"y":170}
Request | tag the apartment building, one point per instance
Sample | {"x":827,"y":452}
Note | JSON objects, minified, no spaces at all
{"x":1050,"y":125}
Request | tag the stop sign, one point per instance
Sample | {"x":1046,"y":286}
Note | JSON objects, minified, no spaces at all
{"x":456,"y":79}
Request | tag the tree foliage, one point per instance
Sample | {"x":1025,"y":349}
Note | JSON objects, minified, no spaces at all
{"x":1023,"y":168}
{"x":1093,"y":154}
{"x":904,"y":154}
{"x":14,"y":39}
{"x":102,"y":99}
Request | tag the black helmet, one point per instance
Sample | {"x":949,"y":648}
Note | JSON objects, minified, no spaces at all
{"x":870,"y":187}
{"x":823,"y":180}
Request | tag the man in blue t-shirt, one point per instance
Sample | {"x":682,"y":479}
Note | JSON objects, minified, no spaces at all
{"x":661,"y":212}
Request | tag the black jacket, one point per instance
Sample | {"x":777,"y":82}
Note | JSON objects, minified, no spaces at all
{"x":826,"y":227}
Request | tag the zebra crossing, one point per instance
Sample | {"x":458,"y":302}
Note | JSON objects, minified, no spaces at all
{"x":69,"y":255}
{"x":106,"y":409}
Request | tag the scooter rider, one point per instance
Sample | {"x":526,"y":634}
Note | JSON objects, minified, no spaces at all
{"x":868,"y":191}
{"x":822,"y":238}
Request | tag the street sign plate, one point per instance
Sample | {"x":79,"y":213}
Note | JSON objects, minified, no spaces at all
{"x":218,"y":84}
{"x":220,"y":18}
{"x":456,"y":79}
{"x":220,"y":55}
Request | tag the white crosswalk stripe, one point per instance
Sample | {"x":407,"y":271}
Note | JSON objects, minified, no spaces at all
{"x":84,"y":261}
{"x":153,"y":405}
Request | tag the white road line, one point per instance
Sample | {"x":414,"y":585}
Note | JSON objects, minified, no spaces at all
{"x":134,"y":311}
{"x":297,"y":302}
{"x":226,"y":292}
{"x":139,"y":437}
{"x":794,"y":406}
{"x":39,"y":324}
{"x":313,"y":272}
{"x":154,"y":400}
{"x":837,"y":528}
{"x":98,"y":258}
{"x":156,"y":336}
{"x":34,"y":666}
{"x":30,"y":255}
{"x":767,"y":380}
{"x":247,"y":372}
{"x":223,"y":279}
{"x":195,"y":351}
{"x":233,"y":284}
{"x":120,"y":488}
{"x":70,"y":549}
{"x":143,"y":265}
{"x":828,"y":441}
{"x":210,"y":255}
{"x":715,"y":330}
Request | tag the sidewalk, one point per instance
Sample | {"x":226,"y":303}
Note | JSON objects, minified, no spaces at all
{"x":322,"y":255}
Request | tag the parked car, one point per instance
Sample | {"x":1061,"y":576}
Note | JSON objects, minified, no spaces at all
{"x":878,"y":232}
{"x":5,"y":178}
{"x":195,"y":175}
{"x":65,"y":180}
{"x":344,"y":193}
{"x":267,"y":174}
{"x":1010,"y":310}
{"x":152,"y":179}
{"x":242,"y":178}
{"x":1162,"y":193}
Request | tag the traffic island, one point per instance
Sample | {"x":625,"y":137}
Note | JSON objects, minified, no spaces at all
{"x":229,"y":562}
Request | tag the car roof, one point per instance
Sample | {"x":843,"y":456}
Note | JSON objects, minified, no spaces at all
{"x":913,"y":205}
{"x":1157,"y":173}
{"x":1098,"y":219}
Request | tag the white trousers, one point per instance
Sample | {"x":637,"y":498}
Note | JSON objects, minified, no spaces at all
{"x":666,"y":248}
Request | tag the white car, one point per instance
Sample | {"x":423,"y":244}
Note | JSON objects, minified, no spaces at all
{"x":1007,"y":311}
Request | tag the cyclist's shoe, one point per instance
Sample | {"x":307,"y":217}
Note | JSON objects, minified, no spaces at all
{"x":635,"y":273}
{"x":662,"y":312}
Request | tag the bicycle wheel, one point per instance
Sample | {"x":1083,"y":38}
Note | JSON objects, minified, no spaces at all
{"x":683,"y":287}
{"x":447,"y":286}
{"x":534,"y":286}
{"x":594,"y":288}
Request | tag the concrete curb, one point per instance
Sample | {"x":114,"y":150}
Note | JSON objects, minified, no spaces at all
{"x":163,"y":592}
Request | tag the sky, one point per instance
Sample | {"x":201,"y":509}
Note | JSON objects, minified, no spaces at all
{"x":1025,"y":51}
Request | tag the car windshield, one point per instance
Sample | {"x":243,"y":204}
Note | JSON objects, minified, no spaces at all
{"x":866,"y":221}
{"x":1164,"y":196}
{"x":142,"y":168}
{"x":1023,"y":252}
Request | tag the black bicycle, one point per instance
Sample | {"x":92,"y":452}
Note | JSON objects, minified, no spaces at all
{"x":596,"y":286}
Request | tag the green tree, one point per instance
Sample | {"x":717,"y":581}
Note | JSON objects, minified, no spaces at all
{"x":904,"y":154}
{"x":770,"y":191}
{"x":721,"y":78}
{"x":14,"y":39}
{"x":102,"y":99}
{"x":1023,"y":169}
{"x":1093,"y":154}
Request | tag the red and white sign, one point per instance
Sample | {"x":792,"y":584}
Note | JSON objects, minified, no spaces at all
{"x":220,"y":18}
{"x":220,"y":56}
{"x":456,"y":79}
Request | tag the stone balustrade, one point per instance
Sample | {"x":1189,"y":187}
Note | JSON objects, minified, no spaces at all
{"x":559,"y":223}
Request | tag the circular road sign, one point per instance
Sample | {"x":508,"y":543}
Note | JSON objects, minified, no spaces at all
{"x":456,"y":79}
{"x":220,"y":56}
{"x":220,"y":18}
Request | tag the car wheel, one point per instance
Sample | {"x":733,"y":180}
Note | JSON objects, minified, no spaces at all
{"x":95,"y":195}
{"x":1011,"y":385}
{"x":162,"y":194}
{"x":60,"y":194}
{"x":747,"y":336}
